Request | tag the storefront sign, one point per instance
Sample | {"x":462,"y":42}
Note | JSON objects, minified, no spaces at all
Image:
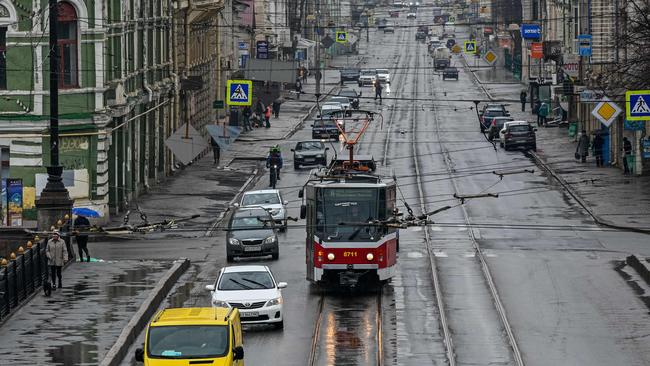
{"x":634,"y":125}
{"x":262,"y":49}
{"x":531,"y":31}
{"x":14,"y":202}
{"x":571,"y":65}
{"x":537,"y":50}
{"x":584,"y":45}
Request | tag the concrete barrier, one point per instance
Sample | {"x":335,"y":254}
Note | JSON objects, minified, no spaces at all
{"x":141,"y":318}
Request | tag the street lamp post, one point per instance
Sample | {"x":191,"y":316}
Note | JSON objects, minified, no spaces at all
{"x":55,"y":201}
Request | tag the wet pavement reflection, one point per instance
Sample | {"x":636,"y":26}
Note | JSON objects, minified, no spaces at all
{"x":79,"y":323}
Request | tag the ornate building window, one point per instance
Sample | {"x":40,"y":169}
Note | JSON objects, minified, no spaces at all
{"x":68,"y":30}
{"x":5,"y":17}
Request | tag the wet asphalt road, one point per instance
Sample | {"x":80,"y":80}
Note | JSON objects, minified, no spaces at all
{"x":553,"y":268}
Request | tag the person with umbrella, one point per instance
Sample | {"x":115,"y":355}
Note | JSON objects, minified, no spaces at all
{"x":82,"y":223}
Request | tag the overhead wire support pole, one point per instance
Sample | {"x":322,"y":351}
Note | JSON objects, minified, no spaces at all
{"x":318,"y":40}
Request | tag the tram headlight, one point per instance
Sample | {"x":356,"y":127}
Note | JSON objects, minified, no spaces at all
{"x":330,"y":256}
{"x":370,"y":257}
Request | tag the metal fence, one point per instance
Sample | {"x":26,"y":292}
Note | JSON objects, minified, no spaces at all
{"x":21,"y":277}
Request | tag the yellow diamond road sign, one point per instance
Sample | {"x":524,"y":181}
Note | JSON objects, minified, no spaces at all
{"x":490,"y":57}
{"x":342,"y":37}
{"x":606,"y":111}
{"x":470,"y":46}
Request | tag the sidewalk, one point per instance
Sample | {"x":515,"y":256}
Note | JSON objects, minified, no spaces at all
{"x":611,"y":198}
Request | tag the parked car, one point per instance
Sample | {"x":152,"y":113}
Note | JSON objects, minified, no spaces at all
{"x":367,"y":77}
{"x":382,"y":23}
{"x":251,"y":232}
{"x":350,"y":74}
{"x":331,"y":108}
{"x":486,"y":117}
{"x":450,"y":73}
{"x":411,"y":16}
{"x":496,"y":125}
{"x":389,"y":29}
{"x":352,"y":96}
{"x":270,"y":200}
{"x":309,"y":153}
{"x":253,"y":291}
{"x":394,"y":13}
{"x":325,"y":129}
{"x":383,"y":75}
{"x":519,"y":134}
{"x":420,"y":36}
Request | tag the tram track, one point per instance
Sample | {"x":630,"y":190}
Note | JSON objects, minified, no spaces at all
{"x":343,"y":330}
{"x":500,"y":309}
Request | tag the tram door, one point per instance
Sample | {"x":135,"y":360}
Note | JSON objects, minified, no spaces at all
{"x":309,"y":244}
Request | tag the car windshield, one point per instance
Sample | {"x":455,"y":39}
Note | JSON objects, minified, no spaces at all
{"x":309,"y":145}
{"x":254,"y":199}
{"x":253,"y":280}
{"x":501,"y":121}
{"x":247,"y":223}
{"x":518,"y":128}
{"x":348,"y":93}
{"x":342,"y":208}
{"x":382,"y":71}
{"x":188,"y":341}
{"x":494,"y":113}
{"x":367,"y":73}
{"x":339,"y":100}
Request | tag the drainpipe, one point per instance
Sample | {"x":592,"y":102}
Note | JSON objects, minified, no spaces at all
{"x":187,"y":67}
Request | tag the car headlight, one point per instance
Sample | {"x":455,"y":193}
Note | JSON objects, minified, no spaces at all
{"x":233,"y":241}
{"x":320,"y":156}
{"x":220,"y":304}
{"x":298,"y":156}
{"x":270,"y":240}
{"x":274,"y":302}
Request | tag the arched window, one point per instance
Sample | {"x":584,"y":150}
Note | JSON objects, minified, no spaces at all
{"x":68,"y":47}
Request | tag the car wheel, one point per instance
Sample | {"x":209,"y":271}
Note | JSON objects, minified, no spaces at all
{"x":229,"y":258}
{"x":279,"y":325}
{"x":534,"y":148}
{"x":296,"y":166}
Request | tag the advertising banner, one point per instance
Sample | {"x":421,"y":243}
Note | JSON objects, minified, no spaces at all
{"x":14,"y":202}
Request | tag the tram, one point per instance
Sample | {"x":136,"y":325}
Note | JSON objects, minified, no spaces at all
{"x":346,"y":207}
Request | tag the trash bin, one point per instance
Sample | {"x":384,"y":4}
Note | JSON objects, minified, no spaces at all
{"x":573,"y":129}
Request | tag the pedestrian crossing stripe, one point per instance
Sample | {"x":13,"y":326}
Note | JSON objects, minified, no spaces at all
{"x":239,"y":92}
{"x":342,"y":37}
{"x":636,"y":105}
{"x":470,"y":46}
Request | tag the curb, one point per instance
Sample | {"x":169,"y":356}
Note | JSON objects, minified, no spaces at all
{"x":140,"y":319}
{"x":640,"y":267}
{"x":239,"y":192}
{"x":602,"y":222}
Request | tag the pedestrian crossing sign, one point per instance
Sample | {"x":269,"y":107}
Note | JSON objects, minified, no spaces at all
{"x":342,"y":37}
{"x":637,"y":105}
{"x":470,"y":46}
{"x":239,"y":92}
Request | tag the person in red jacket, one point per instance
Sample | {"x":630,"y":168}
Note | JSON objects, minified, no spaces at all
{"x":267,"y":116}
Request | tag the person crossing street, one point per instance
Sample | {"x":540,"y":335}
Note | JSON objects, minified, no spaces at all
{"x":378,"y":88}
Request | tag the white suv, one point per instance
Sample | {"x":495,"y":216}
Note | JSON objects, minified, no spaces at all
{"x":270,"y":200}
{"x":252,"y":290}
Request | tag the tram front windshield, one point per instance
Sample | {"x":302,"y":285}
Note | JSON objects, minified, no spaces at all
{"x":343,"y":213}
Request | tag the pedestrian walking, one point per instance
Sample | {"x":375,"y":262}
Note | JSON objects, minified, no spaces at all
{"x":260,"y":107}
{"x":378,"y":88}
{"x":216,"y":150}
{"x":522,"y":98}
{"x":542,"y":113}
{"x":305,"y":73}
{"x":81,"y":224}
{"x":57,"y":255}
{"x":267,"y":117}
{"x":627,"y":152}
{"x":246,"y":118}
{"x":276,"y":107}
{"x":298,"y":88}
{"x":597,"y":145}
{"x":583,"y":146}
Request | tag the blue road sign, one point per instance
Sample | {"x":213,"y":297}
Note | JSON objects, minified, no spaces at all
{"x":584,"y":45}
{"x":239,"y":92}
{"x":531,"y":31}
{"x":262,"y":49}
{"x":637,"y":105}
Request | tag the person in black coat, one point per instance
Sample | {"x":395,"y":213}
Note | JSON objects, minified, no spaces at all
{"x":82,"y":224}
{"x":598,"y":144}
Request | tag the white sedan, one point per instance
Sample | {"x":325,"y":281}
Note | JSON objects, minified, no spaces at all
{"x":270,"y":200}
{"x":251,"y":289}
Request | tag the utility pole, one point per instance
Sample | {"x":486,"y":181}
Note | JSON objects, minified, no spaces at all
{"x":55,"y":201}
{"x":318,"y":72}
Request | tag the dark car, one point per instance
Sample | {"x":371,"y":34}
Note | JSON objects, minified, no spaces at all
{"x":450,"y":73}
{"x":420,"y":36}
{"x":394,"y":13}
{"x":382,"y":23}
{"x":496,"y":124}
{"x":349,"y":75}
{"x":352,"y":96}
{"x":520,"y":135}
{"x":251,"y":232}
{"x":486,"y":117}
{"x":451,"y":43}
{"x":309,"y":153}
{"x":325,"y":129}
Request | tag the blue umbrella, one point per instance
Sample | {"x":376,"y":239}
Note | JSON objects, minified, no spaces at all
{"x":83,"y":211}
